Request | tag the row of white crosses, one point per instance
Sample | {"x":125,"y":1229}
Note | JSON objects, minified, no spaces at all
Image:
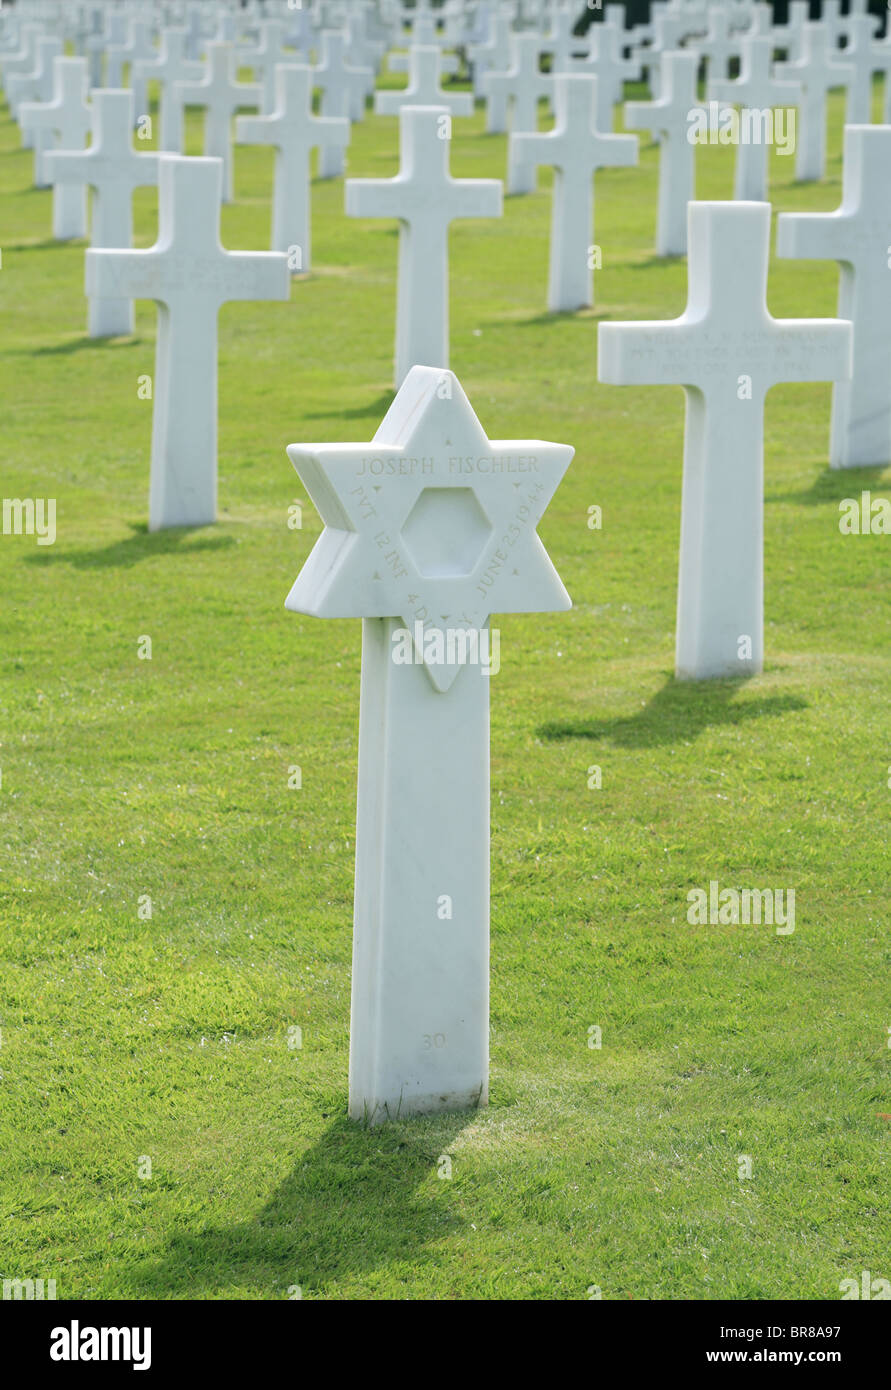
{"x":414,"y":520}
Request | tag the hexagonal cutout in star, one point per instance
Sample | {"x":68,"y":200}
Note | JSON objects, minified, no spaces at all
{"x":446,"y":532}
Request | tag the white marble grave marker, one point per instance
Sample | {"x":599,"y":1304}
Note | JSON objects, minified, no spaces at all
{"x":757,"y":91}
{"x":262,"y":57}
{"x":344,"y":87}
{"x":136,"y":47}
{"x":858,"y":236}
{"x":67,"y":117}
{"x":819,"y":69}
{"x":426,"y":199}
{"x":112,"y":168}
{"x":189,"y":275}
{"x":417,"y":525}
{"x":294,"y":131}
{"x":576,"y":149}
{"x":169,"y":67}
{"x":221,"y":95}
{"x":668,"y":120}
{"x":726,"y":351}
{"x":606,"y":62}
{"x":520,"y":89}
{"x":36,"y":86}
{"x":423,"y":87}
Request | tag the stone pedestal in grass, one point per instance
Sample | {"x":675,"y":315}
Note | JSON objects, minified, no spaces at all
{"x":858,"y":236}
{"x":727,"y":352}
{"x":426,"y":199}
{"x":575,"y":149}
{"x":294,"y":131}
{"x":67,"y":118}
{"x":112,"y":168}
{"x":429,"y":529}
{"x":667,"y":120}
{"x":189,"y":275}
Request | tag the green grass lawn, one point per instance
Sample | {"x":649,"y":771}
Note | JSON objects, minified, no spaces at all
{"x":125,"y":1038}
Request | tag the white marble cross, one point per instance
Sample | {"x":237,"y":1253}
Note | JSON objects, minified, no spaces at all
{"x":757,"y":90}
{"x":788,"y":37}
{"x":189,"y":275}
{"x":426,"y":199}
{"x":423,"y":87}
{"x":494,"y":54}
{"x":263,"y":56}
{"x":170,"y":66}
{"x":576,"y":148}
{"x":719,"y":45}
{"x":860,"y":52}
{"x":294,"y":131}
{"x":36,"y":85}
{"x":521,"y":88}
{"x":858,"y":236}
{"x":137,"y":47}
{"x":429,"y":530}
{"x":67,"y":117}
{"x":820,"y":68}
{"x":23,"y":56}
{"x":344,"y":87}
{"x":726,"y":351}
{"x":112,"y":168}
{"x":221,"y":95}
{"x":668,"y":121}
{"x":115,"y":41}
{"x":606,"y":63}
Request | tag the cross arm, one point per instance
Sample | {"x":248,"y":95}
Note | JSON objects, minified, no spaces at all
{"x":119,"y":274}
{"x":812,"y":349}
{"x":256,"y":275}
{"x":650,"y":353}
{"x":375,"y":198}
{"x":259,"y":130}
{"x":646,"y":115}
{"x":816,"y":236}
{"x":475,"y":198}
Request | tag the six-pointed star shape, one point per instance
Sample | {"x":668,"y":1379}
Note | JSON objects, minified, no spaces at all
{"x":430,"y":441}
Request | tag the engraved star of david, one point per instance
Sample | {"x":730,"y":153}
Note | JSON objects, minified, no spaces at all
{"x":432,"y":522}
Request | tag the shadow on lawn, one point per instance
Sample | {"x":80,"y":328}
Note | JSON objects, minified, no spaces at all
{"x":141,"y":544}
{"x":374,"y":410}
{"x":834,"y":484}
{"x":350,"y":1206}
{"x":679,"y":712}
{"x":79,"y":344}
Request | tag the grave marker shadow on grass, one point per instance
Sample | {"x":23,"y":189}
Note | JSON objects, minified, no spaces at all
{"x":351,"y":1205}
{"x":679,"y":712}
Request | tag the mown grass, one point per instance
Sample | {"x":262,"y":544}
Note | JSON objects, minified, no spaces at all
{"x":124,"y":1038}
